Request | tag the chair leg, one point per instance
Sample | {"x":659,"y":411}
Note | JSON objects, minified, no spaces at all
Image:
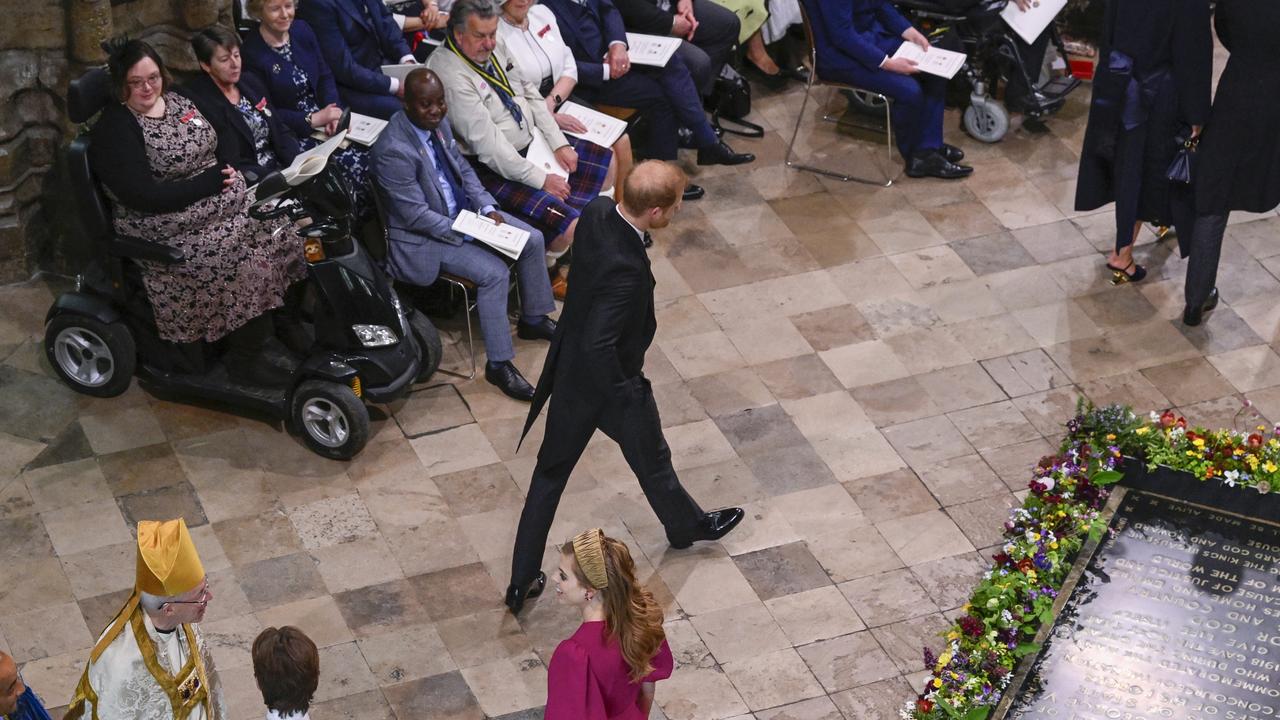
{"x":467,"y":307}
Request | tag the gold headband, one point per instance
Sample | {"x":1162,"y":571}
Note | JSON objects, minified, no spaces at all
{"x":588,"y":550}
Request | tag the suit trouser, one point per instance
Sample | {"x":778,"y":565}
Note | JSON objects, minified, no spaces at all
{"x":919,"y":102}
{"x":379,"y":106}
{"x":1202,"y":263}
{"x":485,"y":268}
{"x":1032,"y":59}
{"x":637,"y":429}
{"x":714,"y":39}
{"x":668,"y":99}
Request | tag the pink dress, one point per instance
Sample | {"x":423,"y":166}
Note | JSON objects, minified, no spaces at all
{"x":589,"y":680}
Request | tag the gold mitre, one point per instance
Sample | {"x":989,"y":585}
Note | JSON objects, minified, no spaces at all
{"x":168,"y":563}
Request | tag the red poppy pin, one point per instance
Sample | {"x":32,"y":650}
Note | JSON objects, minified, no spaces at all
{"x":545,"y":29}
{"x":189,"y":116}
{"x":262,"y":107}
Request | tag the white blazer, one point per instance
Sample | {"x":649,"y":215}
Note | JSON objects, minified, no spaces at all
{"x":538,"y":49}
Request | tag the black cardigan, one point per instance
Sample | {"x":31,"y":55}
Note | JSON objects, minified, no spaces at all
{"x":118,"y":156}
{"x":235,"y":139}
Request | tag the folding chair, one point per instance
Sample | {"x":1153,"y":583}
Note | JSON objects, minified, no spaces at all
{"x":808,"y":89}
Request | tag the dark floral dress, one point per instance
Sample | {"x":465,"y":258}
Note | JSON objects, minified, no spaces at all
{"x":261,"y":132}
{"x":236,"y":268}
{"x":353,"y":161}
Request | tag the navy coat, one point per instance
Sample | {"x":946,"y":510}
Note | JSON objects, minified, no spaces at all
{"x":235,"y":139}
{"x":588,"y":30}
{"x":855,"y":35}
{"x":264,"y":64}
{"x":1170,"y":39}
{"x":356,"y":44}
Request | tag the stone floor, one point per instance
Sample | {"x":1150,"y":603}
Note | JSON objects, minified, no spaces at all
{"x":870,"y":372}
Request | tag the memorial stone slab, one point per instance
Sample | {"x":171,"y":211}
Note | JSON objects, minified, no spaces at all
{"x":1175,"y":617}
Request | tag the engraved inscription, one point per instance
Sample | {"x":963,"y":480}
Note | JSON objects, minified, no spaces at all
{"x":1177,"y":617}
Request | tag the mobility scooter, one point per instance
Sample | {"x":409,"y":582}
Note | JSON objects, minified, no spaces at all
{"x":365,"y":345}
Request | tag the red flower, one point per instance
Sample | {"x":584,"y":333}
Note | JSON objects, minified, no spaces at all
{"x":1182,"y":423}
{"x":924,"y":706}
{"x":1001,"y":558}
{"x":1168,"y":419}
{"x":1191,"y":435}
{"x":1025,"y":564}
{"x":1255,"y":441}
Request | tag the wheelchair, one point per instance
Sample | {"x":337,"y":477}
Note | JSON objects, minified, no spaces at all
{"x":366,"y":346}
{"x":993,"y":57}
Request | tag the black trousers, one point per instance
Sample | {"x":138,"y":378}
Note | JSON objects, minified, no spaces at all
{"x":637,"y":429}
{"x":1202,"y":262}
{"x":1032,"y":58}
{"x":714,"y":39}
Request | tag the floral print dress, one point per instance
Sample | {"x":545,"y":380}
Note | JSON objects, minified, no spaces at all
{"x":353,"y":161}
{"x":236,"y":268}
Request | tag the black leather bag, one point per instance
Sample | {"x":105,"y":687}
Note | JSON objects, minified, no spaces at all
{"x":731,"y":101}
{"x":1182,"y":169}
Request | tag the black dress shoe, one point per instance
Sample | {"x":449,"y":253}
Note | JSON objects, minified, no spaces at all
{"x":798,"y":73}
{"x":693,"y":192}
{"x":933,"y":164}
{"x":543,"y":329}
{"x":775,"y":82}
{"x":1194,"y":316}
{"x":722,"y":154}
{"x":508,"y":379}
{"x":952,"y":153}
{"x":713,"y":526}
{"x":516,"y":595}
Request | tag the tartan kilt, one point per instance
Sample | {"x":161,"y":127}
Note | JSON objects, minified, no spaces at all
{"x":539,"y":207}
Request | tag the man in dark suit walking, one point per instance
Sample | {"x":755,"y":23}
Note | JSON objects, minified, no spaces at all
{"x":594,"y":377}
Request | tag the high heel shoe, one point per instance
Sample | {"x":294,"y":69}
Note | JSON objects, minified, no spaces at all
{"x":1121,"y":275}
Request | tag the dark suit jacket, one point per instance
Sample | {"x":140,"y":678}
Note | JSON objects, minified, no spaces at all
{"x":235,"y":140}
{"x":853,"y":34}
{"x":354,"y":44}
{"x":418,"y":223}
{"x":262,"y":63}
{"x":644,"y":16}
{"x":607,"y":323}
{"x":588,"y":30}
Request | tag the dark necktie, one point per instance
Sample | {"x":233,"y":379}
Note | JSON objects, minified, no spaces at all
{"x":648,"y":240}
{"x":442,"y":164}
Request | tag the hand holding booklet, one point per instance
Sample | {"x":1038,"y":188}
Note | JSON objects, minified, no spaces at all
{"x":654,"y":50}
{"x":1031,"y":22}
{"x":505,"y":238}
{"x":935,"y":60}
{"x":540,"y":154}
{"x":603,"y":130}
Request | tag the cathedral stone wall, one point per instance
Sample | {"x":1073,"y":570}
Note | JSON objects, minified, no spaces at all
{"x":43,"y":45}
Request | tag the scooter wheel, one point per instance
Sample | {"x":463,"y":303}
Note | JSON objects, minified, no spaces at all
{"x":428,"y":339}
{"x":334,"y":422}
{"x":93,"y":357}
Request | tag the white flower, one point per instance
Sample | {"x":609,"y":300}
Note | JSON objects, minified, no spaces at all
{"x":1155,"y":417}
{"x":1048,"y":483}
{"x":1230,"y":477}
{"x":1264,"y":487}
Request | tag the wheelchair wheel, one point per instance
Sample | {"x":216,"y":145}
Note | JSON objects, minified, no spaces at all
{"x":865,"y":102}
{"x":428,"y":339}
{"x":334,"y":422}
{"x":92,"y":357}
{"x":986,"y":121}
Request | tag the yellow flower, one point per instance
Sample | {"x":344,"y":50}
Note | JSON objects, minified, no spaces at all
{"x":1269,"y":467}
{"x":1198,"y":442}
{"x":953,"y":635}
{"x":1238,"y":451}
{"x":1143,"y":430}
{"x":1111,"y":436}
{"x":1252,"y":460}
{"x":943,"y":659}
{"x":1053,"y":545}
{"x":937,"y":682}
{"x":1192,"y":453}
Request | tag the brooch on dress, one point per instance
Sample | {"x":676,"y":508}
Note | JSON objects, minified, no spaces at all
{"x":275,"y":69}
{"x":262,"y":107}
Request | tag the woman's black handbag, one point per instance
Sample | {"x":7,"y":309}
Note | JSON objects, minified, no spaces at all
{"x":1180,"y":170}
{"x":731,"y":100}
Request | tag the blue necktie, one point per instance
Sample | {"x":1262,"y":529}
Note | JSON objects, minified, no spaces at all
{"x":444,"y":168}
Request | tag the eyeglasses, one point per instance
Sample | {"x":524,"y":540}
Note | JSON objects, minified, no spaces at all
{"x":203,"y":599}
{"x":152,"y":80}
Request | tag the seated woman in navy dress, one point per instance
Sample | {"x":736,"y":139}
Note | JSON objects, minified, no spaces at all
{"x":285,"y":56}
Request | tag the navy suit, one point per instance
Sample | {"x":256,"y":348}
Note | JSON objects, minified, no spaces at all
{"x":263,"y":62}
{"x":852,"y":38}
{"x":421,"y":242}
{"x":666,"y":96}
{"x":356,"y":38}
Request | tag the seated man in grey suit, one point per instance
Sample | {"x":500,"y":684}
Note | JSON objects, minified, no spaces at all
{"x":425,"y":181}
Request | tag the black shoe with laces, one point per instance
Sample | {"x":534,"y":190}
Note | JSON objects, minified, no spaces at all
{"x":722,"y":154}
{"x":541,"y":329}
{"x":508,"y":379}
{"x":933,"y":164}
{"x":693,"y":192}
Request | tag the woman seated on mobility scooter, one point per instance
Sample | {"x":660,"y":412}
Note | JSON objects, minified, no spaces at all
{"x":154,"y":154}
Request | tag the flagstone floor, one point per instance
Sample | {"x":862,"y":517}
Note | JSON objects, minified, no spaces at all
{"x":870,"y":372}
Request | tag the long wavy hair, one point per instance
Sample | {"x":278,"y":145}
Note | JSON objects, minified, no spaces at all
{"x":632,"y":616}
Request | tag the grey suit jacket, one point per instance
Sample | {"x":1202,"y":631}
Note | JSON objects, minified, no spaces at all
{"x":418,"y":224}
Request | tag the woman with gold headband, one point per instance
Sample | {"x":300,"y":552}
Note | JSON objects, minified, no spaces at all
{"x":607,"y":669}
